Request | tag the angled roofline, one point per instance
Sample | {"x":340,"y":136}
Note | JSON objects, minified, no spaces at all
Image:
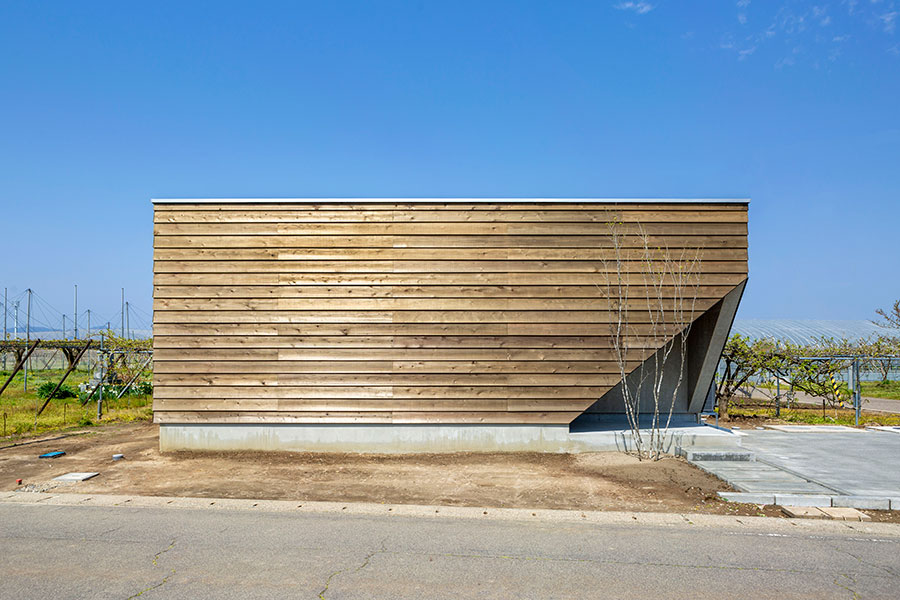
{"x":450,"y":200}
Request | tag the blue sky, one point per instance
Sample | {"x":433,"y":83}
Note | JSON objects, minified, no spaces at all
{"x":104,"y":105}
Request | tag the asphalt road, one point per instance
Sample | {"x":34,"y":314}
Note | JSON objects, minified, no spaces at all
{"x":885,"y":405}
{"x":119,"y":552}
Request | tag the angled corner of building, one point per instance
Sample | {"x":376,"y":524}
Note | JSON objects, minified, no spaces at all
{"x":390,"y":325}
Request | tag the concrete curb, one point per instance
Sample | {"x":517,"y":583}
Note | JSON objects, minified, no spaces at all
{"x":734,"y":524}
{"x":817,"y":500}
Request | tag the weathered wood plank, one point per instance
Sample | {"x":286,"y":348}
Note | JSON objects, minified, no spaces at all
{"x":381,"y":342}
{"x":370,"y":391}
{"x":443,"y":254}
{"x":347,"y":207}
{"x":635,"y":331}
{"x":420,"y":215}
{"x":302,"y":417}
{"x":419,"y":304}
{"x":420,"y":291}
{"x":196,"y":368}
{"x":404,"y":279}
{"x":390,"y":379}
{"x":397,"y":316}
{"x":595,"y":241}
{"x":384,"y":354}
{"x":440,"y":229}
{"x":415,"y":268}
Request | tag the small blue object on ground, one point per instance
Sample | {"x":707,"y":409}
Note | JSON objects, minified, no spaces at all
{"x":52,"y":454}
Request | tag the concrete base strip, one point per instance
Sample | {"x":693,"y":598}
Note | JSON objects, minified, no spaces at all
{"x":737,"y":524}
{"x":426,"y":438}
{"x":838,"y":514}
{"x":867,"y":502}
{"x":817,"y":500}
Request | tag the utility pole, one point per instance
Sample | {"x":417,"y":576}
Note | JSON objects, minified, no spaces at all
{"x":5,"y":334}
{"x":123,"y":312}
{"x":64,"y":327}
{"x":76,"y":312}
{"x":27,"y":338}
{"x":16,"y":322}
{"x":128,"y":320}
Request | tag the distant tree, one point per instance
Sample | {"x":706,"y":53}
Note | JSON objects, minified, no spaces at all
{"x":742,"y":359}
{"x":888,"y":345}
{"x":881,"y":353}
{"x":800,"y":368}
{"x":889,"y":318}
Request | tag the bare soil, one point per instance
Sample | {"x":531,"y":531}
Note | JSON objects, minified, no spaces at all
{"x":590,"y":481}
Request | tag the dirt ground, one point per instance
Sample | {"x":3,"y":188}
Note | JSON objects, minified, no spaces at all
{"x":590,"y":481}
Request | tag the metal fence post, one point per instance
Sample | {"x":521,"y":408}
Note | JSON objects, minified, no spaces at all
{"x":777,"y":397}
{"x":857,"y":395}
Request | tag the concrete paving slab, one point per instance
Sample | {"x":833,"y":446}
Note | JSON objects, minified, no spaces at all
{"x":773,"y":475}
{"x":781,"y":487}
{"x":747,"y":497}
{"x":802,"y":500}
{"x":813,"y":428}
{"x":75,"y":476}
{"x":866,"y":502}
{"x":739,"y":466}
{"x":881,"y":493}
{"x":845,"y":514}
{"x":855,"y":463}
{"x":803,"y":512}
{"x":719,"y":455}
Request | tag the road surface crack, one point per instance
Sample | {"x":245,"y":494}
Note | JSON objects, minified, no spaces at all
{"x":837,"y":582}
{"x":161,"y":552}
{"x":156,"y":564}
{"x":152,"y":587}
{"x":365,"y":563}
{"x":859,"y":559}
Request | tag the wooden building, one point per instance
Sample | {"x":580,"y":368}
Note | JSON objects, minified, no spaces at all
{"x":390,"y":324}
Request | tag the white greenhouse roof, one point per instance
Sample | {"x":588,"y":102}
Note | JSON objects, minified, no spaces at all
{"x":808,"y":331}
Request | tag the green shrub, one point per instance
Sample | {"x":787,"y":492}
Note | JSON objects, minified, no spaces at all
{"x":45,"y":389}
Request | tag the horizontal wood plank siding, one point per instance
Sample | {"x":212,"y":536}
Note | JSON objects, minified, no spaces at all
{"x":486,"y":313}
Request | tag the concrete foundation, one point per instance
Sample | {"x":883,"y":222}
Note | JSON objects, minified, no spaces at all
{"x":423,"y":438}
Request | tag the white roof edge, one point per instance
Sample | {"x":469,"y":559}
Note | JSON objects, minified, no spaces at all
{"x":447,"y":200}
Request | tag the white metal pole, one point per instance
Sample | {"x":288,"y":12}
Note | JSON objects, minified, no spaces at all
{"x":76,"y":312}
{"x":102,"y":378}
{"x":5,"y":333}
{"x":27,"y":338}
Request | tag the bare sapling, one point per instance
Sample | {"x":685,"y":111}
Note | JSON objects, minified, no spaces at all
{"x":649,"y":328}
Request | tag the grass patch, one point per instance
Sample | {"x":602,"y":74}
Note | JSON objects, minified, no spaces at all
{"x":877,"y":389}
{"x":871,"y":389}
{"x":811,"y":416}
{"x":18,"y":408}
